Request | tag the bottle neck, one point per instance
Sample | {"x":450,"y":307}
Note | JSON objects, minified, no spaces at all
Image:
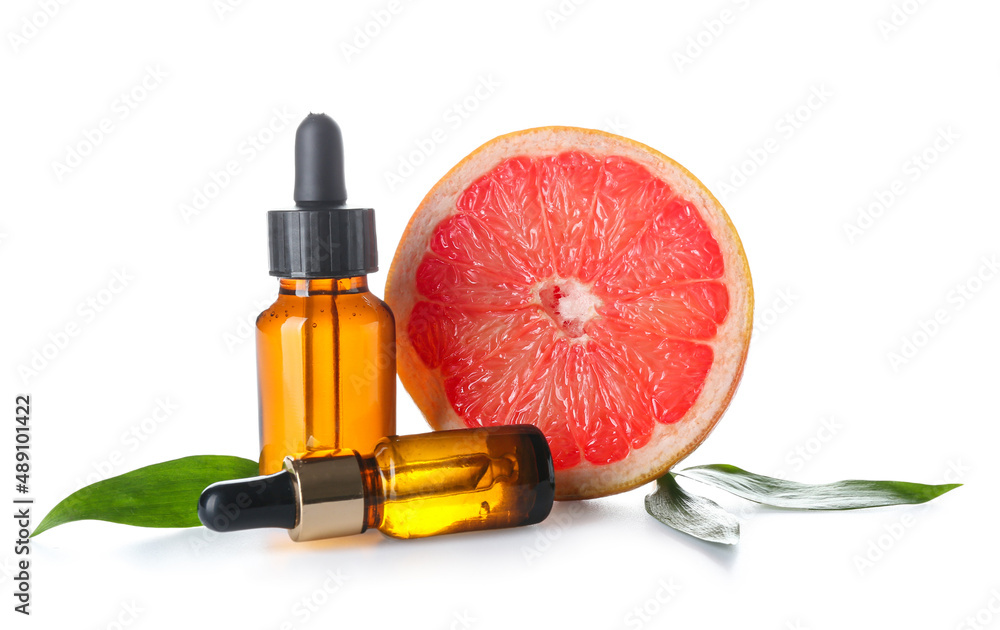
{"x":371,"y":480}
{"x":305,"y":287}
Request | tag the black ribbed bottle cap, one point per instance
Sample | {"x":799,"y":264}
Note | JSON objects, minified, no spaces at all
{"x":322,"y":237}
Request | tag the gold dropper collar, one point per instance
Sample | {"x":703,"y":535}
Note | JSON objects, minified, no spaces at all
{"x":329,"y":496}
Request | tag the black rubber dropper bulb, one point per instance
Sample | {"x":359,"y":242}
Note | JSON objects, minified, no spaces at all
{"x":319,"y":163}
{"x":252,"y":503}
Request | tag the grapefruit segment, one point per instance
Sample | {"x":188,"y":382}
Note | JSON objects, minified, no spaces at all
{"x":462,"y":233}
{"x":441,"y":332}
{"x":625,"y":202}
{"x":691,"y":311}
{"x":568,"y":185}
{"x":672,"y":370}
{"x":472,"y":286}
{"x":580,"y":282}
{"x":543,"y":402}
{"x":506,"y":200}
{"x":673,"y":246}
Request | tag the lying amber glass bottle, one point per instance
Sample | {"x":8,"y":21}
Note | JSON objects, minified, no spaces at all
{"x":408,"y":487}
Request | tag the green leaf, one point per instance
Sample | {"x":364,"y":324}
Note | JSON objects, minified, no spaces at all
{"x":694,"y":515}
{"x":161,"y":495}
{"x":840,"y":495}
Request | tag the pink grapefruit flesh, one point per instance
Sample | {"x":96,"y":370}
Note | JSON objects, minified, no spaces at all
{"x":580,"y":282}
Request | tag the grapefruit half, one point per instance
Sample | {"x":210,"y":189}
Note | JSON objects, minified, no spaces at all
{"x":581,"y":282}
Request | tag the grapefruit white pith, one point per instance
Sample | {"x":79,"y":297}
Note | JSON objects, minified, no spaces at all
{"x":581,"y":282}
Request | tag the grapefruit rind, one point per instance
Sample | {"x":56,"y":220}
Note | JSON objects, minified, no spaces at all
{"x":669,"y":443}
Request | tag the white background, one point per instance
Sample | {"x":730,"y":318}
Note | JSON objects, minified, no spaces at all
{"x":831,"y":309}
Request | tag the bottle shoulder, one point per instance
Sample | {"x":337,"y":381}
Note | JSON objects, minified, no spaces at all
{"x":360,"y":307}
{"x":267,"y":316}
{"x":364,"y":305}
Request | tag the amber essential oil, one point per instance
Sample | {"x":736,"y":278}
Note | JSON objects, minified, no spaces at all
{"x":326,"y":368}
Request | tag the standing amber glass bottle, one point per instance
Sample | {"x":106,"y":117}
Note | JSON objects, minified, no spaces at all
{"x":326,"y":363}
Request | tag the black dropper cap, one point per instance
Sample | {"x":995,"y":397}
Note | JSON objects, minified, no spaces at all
{"x":323,"y":237}
{"x":230,"y":506}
